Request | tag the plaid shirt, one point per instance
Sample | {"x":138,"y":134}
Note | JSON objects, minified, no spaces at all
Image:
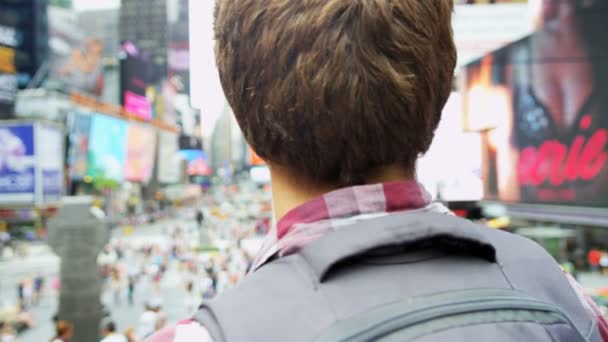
{"x":332,"y":211}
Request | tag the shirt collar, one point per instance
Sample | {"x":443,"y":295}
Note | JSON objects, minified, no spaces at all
{"x":357,"y":200}
{"x":317,"y":217}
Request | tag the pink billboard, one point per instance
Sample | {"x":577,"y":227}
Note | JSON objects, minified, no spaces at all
{"x":138,"y":105}
{"x":141,"y":150}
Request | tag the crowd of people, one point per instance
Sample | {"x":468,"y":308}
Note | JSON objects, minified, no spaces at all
{"x":134,"y":273}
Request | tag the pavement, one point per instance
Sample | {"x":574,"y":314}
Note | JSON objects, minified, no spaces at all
{"x":41,"y":260}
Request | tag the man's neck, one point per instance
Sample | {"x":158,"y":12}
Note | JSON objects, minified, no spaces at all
{"x":289,"y":192}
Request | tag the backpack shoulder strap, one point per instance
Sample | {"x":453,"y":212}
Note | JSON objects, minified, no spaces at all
{"x":207,"y":319}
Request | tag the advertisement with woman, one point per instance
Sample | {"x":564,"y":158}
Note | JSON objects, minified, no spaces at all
{"x":542,"y":103}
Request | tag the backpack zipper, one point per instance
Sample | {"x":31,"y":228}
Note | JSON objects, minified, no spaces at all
{"x":423,"y":310}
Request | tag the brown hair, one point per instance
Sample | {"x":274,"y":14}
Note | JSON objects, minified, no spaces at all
{"x":334,"y":89}
{"x":64,"y":329}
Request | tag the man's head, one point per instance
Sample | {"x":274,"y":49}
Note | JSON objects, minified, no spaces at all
{"x":108,"y":327}
{"x":333,"y":90}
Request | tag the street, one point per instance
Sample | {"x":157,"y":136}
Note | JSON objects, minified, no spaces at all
{"x":42,"y":261}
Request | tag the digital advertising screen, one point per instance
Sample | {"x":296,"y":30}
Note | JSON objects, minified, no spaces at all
{"x":79,"y":126}
{"x":107,"y":148}
{"x":8,"y":69}
{"x":75,"y":56}
{"x":49,"y":152}
{"x":17,"y":163}
{"x":141,"y":150}
{"x":197,"y":162}
{"x":133,"y":71}
{"x":168,"y":170}
{"x":542,"y":105}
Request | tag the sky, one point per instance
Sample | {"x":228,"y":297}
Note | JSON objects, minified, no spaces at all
{"x":205,"y":88}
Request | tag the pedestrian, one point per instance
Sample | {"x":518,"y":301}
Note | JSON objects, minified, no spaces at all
{"x":7,"y":332}
{"x":20,"y":295}
{"x":131,"y":289}
{"x":108,"y":331}
{"x":116,"y":285}
{"x":340,"y":98}
{"x":593,"y":257}
{"x":28,"y":293}
{"x":130,"y":335}
{"x":200,"y":218}
{"x":148,"y":322}
{"x":64,"y":331}
{"x":38,"y":287}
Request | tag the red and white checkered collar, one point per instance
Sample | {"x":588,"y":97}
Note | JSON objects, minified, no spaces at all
{"x":311,"y":220}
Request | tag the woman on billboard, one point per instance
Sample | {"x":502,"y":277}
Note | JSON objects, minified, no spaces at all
{"x":556,"y":79}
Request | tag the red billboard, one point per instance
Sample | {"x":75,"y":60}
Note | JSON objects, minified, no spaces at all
{"x":542,"y":104}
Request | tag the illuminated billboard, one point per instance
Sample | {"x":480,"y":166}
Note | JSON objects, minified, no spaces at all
{"x":133,"y":73}
{"x":542,"y":104}
{"x":107,"y":151}
{"x":76,"y":56}
{"x":141,"y":150}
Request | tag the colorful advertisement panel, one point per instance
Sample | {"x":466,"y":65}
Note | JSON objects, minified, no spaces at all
{"x":168,"y":158}
{"x":141,"y":150}
{"x":107,"y":148}
{"x":543,"y":105}
{"x":79,"y":126}
{"x":179,"y":45}
{"x":17,"y":163}
{"x":49,"y":151}
{"x":133,"y":71}
{"x":75,"y":56}
{"x":197,"y":162}
{"x":8,"y":70}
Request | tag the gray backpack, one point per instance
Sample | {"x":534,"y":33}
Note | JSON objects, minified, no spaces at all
{"x":405,"y":277}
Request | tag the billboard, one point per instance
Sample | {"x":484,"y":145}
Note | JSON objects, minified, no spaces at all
{"x":75,"y":56}
{"x":179,"y":44}
{"x":49,"y":152}
{"x":141,"y":150}
{"x":31,"y":163}
{"x":542,"y":103}
{"x":8,"y":70}
{"x":169,"y":161}
{"x":31,"y":42}
{"x":79,"y":126}
{"x":17,"y":163}
{"x":197,"y":162}
{"x":488,"y":2}
{"x":107,"y":148}
{"x":133,"y":71}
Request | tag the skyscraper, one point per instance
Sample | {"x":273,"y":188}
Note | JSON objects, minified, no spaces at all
{"x":179,"y":44}
{"x":29,"y":19}
{"x":144,"y":22}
